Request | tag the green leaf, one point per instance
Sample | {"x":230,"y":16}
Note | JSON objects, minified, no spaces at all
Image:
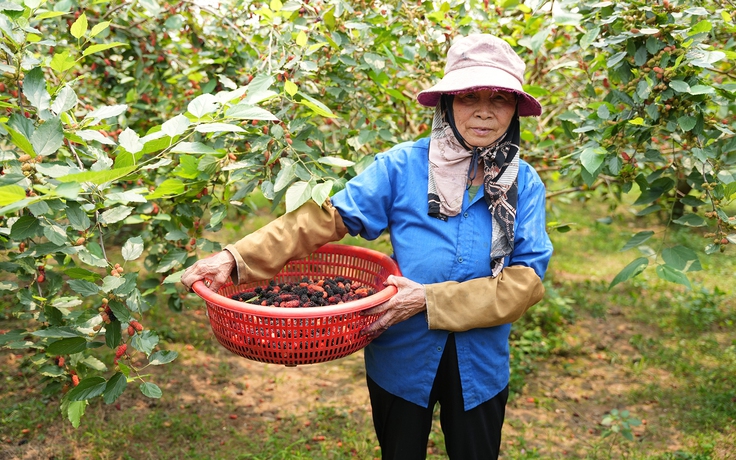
{"x":151,"y":390}
{"x":562,"y":16}
{"x":77,"y":217}
{"x":218,"y":128}
{"x":51,"y":370}
{"x":673,"y":275}
{"x":84,"y":288}
{"x":124,"y":369}
{"x":195,"y":148}
{"x":98,"y":28}
{"x":258,"y":89}
{"x":88,"y":388}
{"x":640,"y":57}
{"x":129,"y":196}
{"x":173,"y":278}
{"x":133,"y":248}
{"x":227,"y":83}
{"x":79,"y":27}
{"x":75,"y":411}
{"x":171,"y":259}
{"x":145,"y":341}
{"x":691,"y":220}
{"x":101,"y":47}
{"x":592,"y":158}
{"x":55,"y":234}
{"x":110,"y":283}
{"x":114,"y":388}
{"x":10,"y":194}
{"x":284,"y":177}
{"x":702,"y":89}
{"x":687,"y":122}
{"x":175,"y":126}
{"x":67,"y":346}
{"x":130,"y":141}
{"x":120,"y":311}
{"x":69,"y":190}
{"x":680,"y":86}
{"x":250,"y":112}
{"x":169,"y":187}
{"x":336,"y":161}
{"x":105,"y":112}
{"x":301,"y":39}
{"x":48,"y":137}
{"x":20,"y":140}
{"x":316,"y":106}
{"x":702,"y":26}
{"x":65,"y":100}
{"x":82,"y":274}
{"x":681,"y":258}
{"x":113,"y":334}
{"x":162,"y":357}
{"x":658,"y":188}
{"x":637,"y":240}
{"x":321,"y":192}
{"x":615,"y":59}
{"x":298,"y":194}
{"x":115,"y":214}
{"x":128,"y":285}
{"x":631,"y":270}
{"x":98,"y":177}
{"x":25,"y":227}
{"x":217,"y":215}
{"x":90,"y":259}
{"x":61,"y":62}
{"x":34,"y":87}
{"x":727,"y":177}
{"x":203,"y":105}
{"x":188,"y":167}
{"x":56,"y":333}
{"x":50,"y":14}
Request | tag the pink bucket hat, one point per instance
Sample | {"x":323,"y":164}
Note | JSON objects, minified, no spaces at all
{"x":482,"y":61}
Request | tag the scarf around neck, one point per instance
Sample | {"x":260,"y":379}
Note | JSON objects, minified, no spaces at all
{"x":452,"y":164}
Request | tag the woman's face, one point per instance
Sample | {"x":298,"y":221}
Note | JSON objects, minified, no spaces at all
{"x":483,"y":116}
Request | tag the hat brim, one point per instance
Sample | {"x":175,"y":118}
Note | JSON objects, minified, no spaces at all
{"x":477,"y":78}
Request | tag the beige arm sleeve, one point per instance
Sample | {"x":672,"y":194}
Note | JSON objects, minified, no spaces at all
{"x":483,"y":302}
{"x":263,"y":253}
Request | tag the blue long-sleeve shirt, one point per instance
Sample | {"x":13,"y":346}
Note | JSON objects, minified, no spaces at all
{"x":392,"y":194}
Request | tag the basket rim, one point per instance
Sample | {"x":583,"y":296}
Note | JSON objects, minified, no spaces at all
{"x":353,"y":306}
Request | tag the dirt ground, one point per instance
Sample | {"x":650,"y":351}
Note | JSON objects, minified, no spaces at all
{"x":558,"y":414}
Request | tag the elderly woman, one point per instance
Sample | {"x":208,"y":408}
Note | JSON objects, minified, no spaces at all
{"x":466,"y":216}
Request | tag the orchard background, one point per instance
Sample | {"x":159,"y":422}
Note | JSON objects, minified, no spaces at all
{"x":133,"y":132}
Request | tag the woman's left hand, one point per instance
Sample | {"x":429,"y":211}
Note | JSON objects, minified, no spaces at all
{"x":408,"y":301}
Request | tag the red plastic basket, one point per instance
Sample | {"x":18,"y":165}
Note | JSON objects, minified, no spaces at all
{"x":294,"y":336}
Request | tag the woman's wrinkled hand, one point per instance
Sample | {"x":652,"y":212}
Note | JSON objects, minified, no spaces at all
{"x":216,"y":269}
{"x":408,"y":301}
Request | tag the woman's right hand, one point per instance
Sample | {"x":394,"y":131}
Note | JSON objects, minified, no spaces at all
{"x":216,"y":269}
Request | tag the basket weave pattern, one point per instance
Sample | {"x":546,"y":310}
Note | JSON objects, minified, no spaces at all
{"x":295,"y":336}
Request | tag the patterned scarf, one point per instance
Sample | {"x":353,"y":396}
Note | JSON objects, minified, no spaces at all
{"x":452,"y":164}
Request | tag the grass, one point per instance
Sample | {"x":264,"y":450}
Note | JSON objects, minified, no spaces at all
{"x":665,"y":353}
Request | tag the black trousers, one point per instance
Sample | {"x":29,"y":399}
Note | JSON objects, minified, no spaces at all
{"x":403,"y":427}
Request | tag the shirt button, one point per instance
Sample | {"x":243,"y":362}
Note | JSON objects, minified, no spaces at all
{"x":439,"y":348}
{"x":460,"y":259}
{"x":465,"y":215}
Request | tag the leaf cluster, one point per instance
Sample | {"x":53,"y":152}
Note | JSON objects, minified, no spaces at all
{"x":132,"y":132}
